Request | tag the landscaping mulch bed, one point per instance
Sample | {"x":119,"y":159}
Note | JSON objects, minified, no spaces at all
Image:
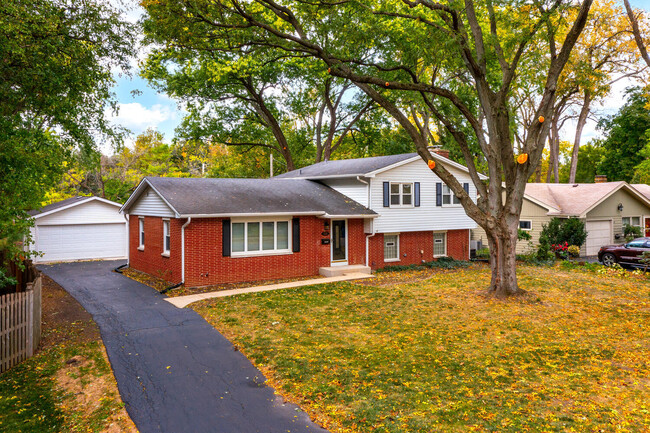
{"x":160,"y":284}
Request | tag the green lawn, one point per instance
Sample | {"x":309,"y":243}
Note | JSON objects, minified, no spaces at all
{"x":434,"y":355}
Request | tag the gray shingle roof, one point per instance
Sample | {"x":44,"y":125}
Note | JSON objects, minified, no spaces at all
{"x":346,"y":167}
{"x":57,"y":205}
{"x":210,"y":196}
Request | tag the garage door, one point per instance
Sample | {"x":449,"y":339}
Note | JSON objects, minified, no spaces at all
{"x":599,"y":233}
{"x":81,"y":241}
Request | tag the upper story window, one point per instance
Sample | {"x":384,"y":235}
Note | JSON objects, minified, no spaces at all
{"x":401,"y":194}
{"x":448,"y":196}
{"x":141,"y":232}
{"x":166,"y":237}
{"x":525,"y":224}
{"x":259,"y":237}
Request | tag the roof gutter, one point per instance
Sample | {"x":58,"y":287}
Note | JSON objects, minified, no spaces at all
{"x":349,"y":216}
{"x":183,"y":249}
{"x":253,"y":214}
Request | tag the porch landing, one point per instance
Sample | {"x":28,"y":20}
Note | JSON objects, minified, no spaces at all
{"x":336,"y":271}
{"x":183,"y":301}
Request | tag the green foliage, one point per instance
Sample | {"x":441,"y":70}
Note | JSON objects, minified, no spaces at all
{"x":55,"y":84}
{"x":627,"y":136}
{"x":631,"y":232}
{"x":561,"y":230}
{"x":483,"y":253}
{"x":523,"y":235}
{"x":441,"y":263}
{"x":544,"y":249}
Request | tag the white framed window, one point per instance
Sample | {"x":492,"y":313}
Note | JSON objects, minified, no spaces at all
{"x":633,"y":221}
{"x":448,"y":196}
{"x":391,"y":247}
{"x":525,"y":224}
{"x":401,"y":194}
{"x":439,"y":244}
{"x":259,"y":237}
{"x":141,"y":233}
{"x":166,"y":237}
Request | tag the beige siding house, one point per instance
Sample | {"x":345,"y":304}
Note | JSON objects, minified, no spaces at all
{"x":605,"y":208}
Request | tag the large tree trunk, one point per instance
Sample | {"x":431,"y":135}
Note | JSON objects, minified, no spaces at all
{"x":502,"y":241}
{"x":582,"y":120}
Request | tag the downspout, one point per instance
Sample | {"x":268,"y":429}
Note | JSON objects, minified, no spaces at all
{"x":189,"y":219}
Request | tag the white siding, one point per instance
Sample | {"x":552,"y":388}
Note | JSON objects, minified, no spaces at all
{"x":427,"y":216}
{"x":90,"y":212}
{"x":150,"y":204}
{"x":353,"y":188}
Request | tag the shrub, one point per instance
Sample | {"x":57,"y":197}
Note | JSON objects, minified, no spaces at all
{"x":574,"y":250}
{"x":561,"y":230}
{"x":544,"y":249}
{"x":483,"y":253}
{"x":523,"y":235}
{"x":631,"y":232}
{"x":561,"y":250}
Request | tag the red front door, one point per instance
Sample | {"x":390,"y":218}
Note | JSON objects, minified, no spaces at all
{"x":647,"y":226}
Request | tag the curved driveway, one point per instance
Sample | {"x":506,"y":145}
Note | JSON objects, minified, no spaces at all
{"x":175,"y":372}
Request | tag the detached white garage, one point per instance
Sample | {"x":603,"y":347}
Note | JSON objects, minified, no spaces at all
{"x":79,"y":228}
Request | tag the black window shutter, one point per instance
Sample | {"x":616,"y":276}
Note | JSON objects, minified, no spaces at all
{"x":296,"y":235}
{"x":226,"y":237}
{"x":416,"y":190}
{"x":386,"y":194}
{"x":438,"y":193}
{"x":466,"y":187}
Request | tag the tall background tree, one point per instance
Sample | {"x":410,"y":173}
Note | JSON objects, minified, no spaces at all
{"x":56,"y":61}
{"x":438,"y":54}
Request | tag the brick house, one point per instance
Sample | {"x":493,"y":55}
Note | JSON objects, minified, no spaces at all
{"x":362,"y":213}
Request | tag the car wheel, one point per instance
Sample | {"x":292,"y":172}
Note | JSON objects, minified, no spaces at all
{"x":609,"y":259}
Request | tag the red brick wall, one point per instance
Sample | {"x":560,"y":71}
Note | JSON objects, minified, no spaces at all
{"x":418,"y":247}
{"x":150,"y":260}
{"x":458,"y":244}
{"x":205,"y":264}
{"x":356,"y":242}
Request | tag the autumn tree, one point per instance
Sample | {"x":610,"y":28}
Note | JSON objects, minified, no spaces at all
{"x":55,"y":84}
{"x":439,"y":53}
{"x":240,"y":94}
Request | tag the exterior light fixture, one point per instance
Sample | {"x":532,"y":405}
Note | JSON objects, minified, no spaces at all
{"x":620,"y":207}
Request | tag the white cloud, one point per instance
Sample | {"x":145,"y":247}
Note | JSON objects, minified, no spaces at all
{"x":137,"y":117}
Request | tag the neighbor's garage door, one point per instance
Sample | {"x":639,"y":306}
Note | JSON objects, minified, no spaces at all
{"x":599,"y":233}
{"x":81,"y":241}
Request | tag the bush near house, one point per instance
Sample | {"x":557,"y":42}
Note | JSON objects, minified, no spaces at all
{"x":631,"y":232}
{"x":571,"y":231}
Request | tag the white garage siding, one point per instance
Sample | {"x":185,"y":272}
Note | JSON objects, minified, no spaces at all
{"x":81,"y":241}
{"x":599,"y":233}
{"x":90,"y":229}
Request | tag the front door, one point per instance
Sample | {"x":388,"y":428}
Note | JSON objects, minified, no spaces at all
{"x":647,"y":226}
{"x":339,"y":242}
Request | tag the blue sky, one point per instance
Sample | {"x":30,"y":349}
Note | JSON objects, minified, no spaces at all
{"x":150,"y":109}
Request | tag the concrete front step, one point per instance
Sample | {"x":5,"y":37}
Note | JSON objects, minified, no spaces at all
{"x":335,"y":271}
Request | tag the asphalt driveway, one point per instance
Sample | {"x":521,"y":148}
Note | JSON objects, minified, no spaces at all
{"x":175,"y":372}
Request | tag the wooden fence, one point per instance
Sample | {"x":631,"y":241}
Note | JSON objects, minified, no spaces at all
{"x":20,"y":324}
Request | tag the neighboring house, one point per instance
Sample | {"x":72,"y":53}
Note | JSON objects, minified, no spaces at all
{"x":79,"y":228}
{"x":645,"y":190}
{"x":604,"y":207}
{"x":368,"y":212}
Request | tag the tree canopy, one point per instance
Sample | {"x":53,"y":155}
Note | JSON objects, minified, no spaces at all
{"x":56,"y":73}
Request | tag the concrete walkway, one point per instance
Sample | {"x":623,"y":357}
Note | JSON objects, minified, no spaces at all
{"x":184,"y":301}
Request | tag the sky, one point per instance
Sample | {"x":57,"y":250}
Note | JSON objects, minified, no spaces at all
{"x":146,"y":108}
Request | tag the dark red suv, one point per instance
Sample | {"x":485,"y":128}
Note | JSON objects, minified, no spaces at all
{"x":627,"y":254}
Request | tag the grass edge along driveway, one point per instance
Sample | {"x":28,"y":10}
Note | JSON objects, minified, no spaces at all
{"x":433,"y":355}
